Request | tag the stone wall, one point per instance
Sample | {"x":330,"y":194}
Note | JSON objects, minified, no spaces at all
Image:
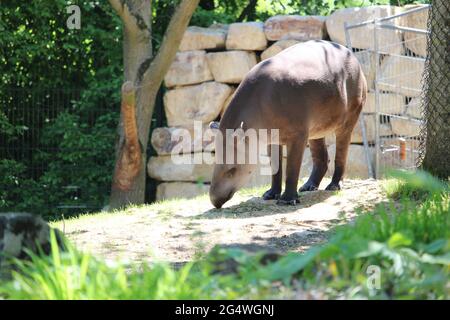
{"x":212,"y":61}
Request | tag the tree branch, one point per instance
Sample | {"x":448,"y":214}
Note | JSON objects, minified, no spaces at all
{"x":117,"y":6}
{"x":170,"y":43}
{"x":132,"y":13}
{"x":249,"y":11}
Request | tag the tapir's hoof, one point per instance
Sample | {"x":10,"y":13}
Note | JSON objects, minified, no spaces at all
{"x":271,"y":195}
{"x":333,"y":187}
{"x":308,"y":187}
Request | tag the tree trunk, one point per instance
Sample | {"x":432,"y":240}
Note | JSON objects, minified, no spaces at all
{"x":146,"y":73}
{"x":437,"y":107}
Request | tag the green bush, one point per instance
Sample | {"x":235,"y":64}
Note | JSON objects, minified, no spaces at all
{"x":84,"y":158}
{"x":16,"y":187}
{"x":70,"y":143}
{"x":410,"y":243}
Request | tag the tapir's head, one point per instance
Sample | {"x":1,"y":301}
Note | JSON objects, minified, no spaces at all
{"x":230,"y":172}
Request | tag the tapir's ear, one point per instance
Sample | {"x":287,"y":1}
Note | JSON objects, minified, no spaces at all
{"x":214,"y":125}
{"x":240,"y":132}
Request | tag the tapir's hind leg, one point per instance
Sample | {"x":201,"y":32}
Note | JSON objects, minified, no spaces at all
{"x":342,"y":145}
{"x":295,"y":151}
{"x":343,"y":137}
{"x":320,"y":164}
{"x":276,"y":158}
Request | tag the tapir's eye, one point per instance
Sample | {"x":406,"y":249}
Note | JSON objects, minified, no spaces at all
{"x":231,"y":172}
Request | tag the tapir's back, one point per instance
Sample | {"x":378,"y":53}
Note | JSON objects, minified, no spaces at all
{"x":312,"y":60}
{"x":302,"y":83}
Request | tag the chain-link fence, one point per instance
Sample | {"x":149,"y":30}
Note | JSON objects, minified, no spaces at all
{"x":393,"y":62}
{"x":57,"y":150}
{"x":49,"y":143}
{"x":434,"y":149}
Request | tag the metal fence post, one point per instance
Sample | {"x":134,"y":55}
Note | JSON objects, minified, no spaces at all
{"x":377,"y":99}
{"x":361,"y":116}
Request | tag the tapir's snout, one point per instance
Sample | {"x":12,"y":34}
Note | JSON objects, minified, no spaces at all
{"x":218,"y":200}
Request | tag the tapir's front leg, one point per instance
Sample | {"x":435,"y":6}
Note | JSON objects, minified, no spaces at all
{"x":276,"y":157}
{"x":295,"y":151}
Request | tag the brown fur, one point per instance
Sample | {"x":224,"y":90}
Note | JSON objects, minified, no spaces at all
{"x":307,"y":91}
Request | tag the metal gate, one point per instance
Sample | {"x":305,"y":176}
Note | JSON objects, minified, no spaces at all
{"x":392,"y":60}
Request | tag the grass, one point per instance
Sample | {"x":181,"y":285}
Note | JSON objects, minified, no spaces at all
{"x":412,"y":185}
{"x":75,"y":275}
{"x":395,"y":251}
{"x":161,"y":210}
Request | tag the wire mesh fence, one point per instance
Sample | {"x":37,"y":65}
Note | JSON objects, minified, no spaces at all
{"x":393,"y":63}
{"x":57,"y":150}
{"x":43,"y":158}
{"x":434,"y":148}
{"x":30,"y":110}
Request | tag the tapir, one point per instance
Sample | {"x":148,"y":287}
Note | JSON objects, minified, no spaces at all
{"x":307,"y":91}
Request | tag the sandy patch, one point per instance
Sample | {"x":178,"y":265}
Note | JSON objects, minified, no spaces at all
{"x":180,"y":230}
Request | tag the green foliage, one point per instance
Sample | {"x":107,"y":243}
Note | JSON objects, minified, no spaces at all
{"x":69,"y":80}
{"x":205,"y":18}
{"x":70,"y":274}
{"x":77,"y":143}
{"x":412,"y":185}
{"x":43,"y":64}
{"x":9,"y":130}
{"x":409,"y":244}
{"x":227,"y":11}
{"x":17,"y":186}
{"x":37,"y":48}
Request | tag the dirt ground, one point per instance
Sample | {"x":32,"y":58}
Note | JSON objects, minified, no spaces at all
{"x":178,"y":231}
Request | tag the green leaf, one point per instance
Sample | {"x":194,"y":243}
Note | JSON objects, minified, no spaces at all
{"x":289,"y":265}
{"x":442,"y":259}
{"x":373,"y":248}
{"x":436,"y":246}
{"x":399,"y":239}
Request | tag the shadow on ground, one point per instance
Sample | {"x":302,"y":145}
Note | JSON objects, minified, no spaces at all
{"x":257,"y":207}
